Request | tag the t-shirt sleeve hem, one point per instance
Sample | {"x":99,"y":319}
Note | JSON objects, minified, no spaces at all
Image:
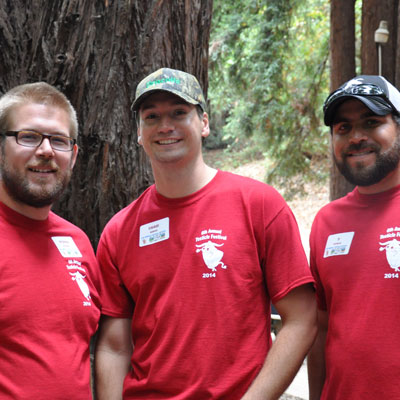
{"x":299,"y":282}
{"x":115,"y":314}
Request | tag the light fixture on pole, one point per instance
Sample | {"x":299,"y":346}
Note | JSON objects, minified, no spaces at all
{"x":381,"y":37}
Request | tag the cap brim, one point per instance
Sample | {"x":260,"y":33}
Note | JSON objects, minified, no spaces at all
{"x":136,"y":104}
{"x":375,"y":103}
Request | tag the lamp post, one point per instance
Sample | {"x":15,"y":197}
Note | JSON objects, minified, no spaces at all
{"x":381,"y":37}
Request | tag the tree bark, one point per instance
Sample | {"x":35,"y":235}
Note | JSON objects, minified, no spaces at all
{"x":342,"y":47}
{"x":96,"y":51}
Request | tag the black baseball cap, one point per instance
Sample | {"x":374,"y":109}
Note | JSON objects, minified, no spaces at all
{"x":377,"y":93}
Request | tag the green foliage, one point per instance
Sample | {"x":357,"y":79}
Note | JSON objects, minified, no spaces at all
{"x":268,"y":79}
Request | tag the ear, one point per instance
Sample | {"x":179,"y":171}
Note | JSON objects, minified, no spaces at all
{"x":138,"y":130}
{"x":74,"y":155}
{"x":206,"y":127}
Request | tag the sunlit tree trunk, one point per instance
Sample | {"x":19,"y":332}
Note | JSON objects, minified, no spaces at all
{"x":96,"y":51}
{"x":342,"y":47}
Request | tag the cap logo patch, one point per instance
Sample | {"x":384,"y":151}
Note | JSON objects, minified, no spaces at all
{"x":160,"y":81}
{"x":355,"y":81}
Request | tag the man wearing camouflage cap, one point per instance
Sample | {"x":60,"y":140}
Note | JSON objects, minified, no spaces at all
{"x":355,"y":245}
{"x":191,"y":267}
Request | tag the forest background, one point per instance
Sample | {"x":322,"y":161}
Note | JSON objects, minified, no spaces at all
{"x":266,"y":67}
{"x":269,"y":75}
{"x":271,"y":66}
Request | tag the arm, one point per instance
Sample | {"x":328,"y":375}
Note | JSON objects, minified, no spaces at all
{"x":112,"y":357}
{"x":298,"y":313}
{"x":316,"y":358}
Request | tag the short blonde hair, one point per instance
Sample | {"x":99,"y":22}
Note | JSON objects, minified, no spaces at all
{"x":39,"y":93}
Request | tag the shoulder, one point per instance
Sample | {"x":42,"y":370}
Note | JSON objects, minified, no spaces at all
{"x":126,"y":214}
{"x":60,"y":227}
{"x":254,"y":197}
{"x":236,"y":182}
{"x":335,"y":216}
{"x":337,"y":206}
{"x":64,"y":225}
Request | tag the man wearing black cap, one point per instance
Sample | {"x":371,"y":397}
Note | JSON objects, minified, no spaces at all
{"x":355,"y":249}
{"x":191,"y":267}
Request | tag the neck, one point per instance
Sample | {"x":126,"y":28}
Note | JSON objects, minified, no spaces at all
{"x":388,"y":182}
{"x":175,"y":182}
{"x":39,"y":214}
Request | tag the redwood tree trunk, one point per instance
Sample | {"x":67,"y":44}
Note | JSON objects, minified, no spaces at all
{"x":342,"y":47}
{"x":96,"y":51}
{"x":374,"y":11}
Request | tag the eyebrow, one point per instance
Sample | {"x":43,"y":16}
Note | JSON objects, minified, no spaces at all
{"x":55,"y":133}
{"x":365,"y":115}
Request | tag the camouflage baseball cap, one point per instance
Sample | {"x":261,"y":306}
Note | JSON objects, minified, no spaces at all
{"x":180,"y":83}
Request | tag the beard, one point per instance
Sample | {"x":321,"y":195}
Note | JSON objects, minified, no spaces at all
{"x":361,"y":175}
{"x":37,"y":195}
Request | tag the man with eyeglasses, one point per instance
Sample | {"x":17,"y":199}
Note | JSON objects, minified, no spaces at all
{"x":355,"y":249}
{"x":191,"y":267}
{"x":49,"y":302}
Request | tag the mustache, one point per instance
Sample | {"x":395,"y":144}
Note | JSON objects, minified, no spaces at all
{"x":362,"y":146}
{"x":44,"y":164}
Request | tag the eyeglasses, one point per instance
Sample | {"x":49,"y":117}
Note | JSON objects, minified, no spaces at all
{"x":35,"y":139}
{"x":362,"y":90}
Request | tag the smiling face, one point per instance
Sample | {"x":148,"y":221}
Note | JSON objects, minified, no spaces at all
{"x":170,"y":130}
{"x":35,"y":176}
{"x":366,"y":147}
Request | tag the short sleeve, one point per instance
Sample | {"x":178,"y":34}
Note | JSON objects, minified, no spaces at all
{"x":286,"y":265}
{"x":116,"y":300}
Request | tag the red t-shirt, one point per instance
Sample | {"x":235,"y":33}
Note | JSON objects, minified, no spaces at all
{"x":49,"y":308}
{"x":197,"y":275}
{"x":355,"y":259}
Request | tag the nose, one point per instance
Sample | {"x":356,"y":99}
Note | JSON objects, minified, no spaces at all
{"x":358,"y":135}
{"x":166,"y":124}
{"x":45,"y":150}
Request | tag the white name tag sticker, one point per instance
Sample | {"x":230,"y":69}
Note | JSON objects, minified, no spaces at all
{"x":66,"y":246}
{"x":154,"y":232}
{"x":338,"y":244}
